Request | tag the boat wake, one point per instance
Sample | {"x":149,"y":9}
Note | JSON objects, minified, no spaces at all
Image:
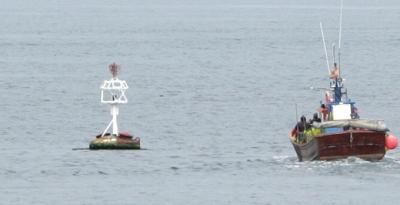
{"x":348,"y":166}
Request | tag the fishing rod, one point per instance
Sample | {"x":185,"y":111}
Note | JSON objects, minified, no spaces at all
{"x":326,"y":52}
{"x":318,"y":88}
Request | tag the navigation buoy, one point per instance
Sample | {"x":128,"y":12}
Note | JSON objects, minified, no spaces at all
{"x":391,"y":142}
{"x":113,"y":93}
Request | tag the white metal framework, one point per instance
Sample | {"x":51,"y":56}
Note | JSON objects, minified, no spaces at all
{"x":113,"y":93}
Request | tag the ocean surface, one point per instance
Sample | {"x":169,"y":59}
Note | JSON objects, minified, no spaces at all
{"x":213,"y":89}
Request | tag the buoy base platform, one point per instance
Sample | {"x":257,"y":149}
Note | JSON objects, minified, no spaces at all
{"x":109,"y":141}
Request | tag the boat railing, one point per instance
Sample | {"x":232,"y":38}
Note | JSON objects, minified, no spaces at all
{"x":336,"y":82}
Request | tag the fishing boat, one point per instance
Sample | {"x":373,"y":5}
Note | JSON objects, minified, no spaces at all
{"x":337,"y":131}
{"x":340,"y":133}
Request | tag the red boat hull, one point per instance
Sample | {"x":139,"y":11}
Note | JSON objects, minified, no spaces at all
{"x":368,"y":145}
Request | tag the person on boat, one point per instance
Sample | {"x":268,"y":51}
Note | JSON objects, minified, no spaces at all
{"x":335,"y":72}
{"x":315,"y":119}
{"x":298,"y":131}
{"x":312,"y":131}
{"x":354,"y":113}
{"x":324,"y":111}
{"x":301,"y":126}
{"x":328,"y":97}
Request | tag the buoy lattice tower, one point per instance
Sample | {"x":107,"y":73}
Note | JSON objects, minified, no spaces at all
{"x":113,"y":93}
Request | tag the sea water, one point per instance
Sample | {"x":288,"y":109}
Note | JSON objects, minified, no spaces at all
{"x":213,"y":89}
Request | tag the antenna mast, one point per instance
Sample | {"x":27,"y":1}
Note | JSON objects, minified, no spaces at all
{"x":340,"y":32}
{"x":326,"y":52}
{"x":333,"y":53}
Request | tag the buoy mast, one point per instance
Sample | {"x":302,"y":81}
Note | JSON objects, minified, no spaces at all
{"x":113,"y":93}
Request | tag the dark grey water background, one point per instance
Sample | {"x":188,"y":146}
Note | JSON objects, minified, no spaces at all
{"x":212,"y":91}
